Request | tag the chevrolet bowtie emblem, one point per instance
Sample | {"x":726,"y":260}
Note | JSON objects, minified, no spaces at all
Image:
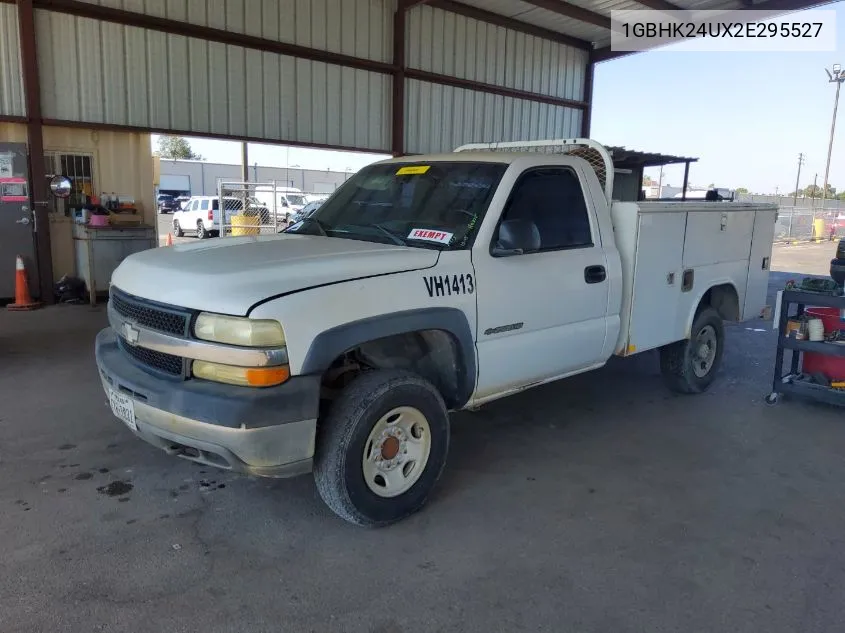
{"x":130,"y":333}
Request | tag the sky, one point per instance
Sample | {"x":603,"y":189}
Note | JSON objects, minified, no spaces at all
{"x":745,"y":115}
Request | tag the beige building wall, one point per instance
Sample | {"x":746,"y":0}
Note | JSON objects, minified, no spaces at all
{"x":122,"y":163}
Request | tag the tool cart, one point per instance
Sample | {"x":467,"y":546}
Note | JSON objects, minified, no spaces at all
{"x":817,"y":344}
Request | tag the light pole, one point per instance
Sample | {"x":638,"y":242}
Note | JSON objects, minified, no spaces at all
{"x":837,"y":77}
{"x":797,"y":179}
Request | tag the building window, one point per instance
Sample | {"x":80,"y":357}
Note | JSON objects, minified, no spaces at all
{"x":80,"y":169}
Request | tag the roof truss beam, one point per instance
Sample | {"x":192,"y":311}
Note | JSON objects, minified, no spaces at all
{"x":509,"y":23}
{"x":572,"y":11}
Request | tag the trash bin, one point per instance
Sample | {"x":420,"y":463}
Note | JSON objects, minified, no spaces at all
{"x":242,"y":225}
{"x":818,"y":229}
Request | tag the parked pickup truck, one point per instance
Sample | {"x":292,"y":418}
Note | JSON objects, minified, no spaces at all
{"x":425,"y":285}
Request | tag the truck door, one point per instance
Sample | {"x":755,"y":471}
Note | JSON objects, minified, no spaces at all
{"x":542,"y":313}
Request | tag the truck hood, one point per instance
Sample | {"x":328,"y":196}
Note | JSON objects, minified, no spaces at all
{"x":229,"y":275}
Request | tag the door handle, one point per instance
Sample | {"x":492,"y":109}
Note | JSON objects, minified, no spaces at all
{"x":594,"y":274}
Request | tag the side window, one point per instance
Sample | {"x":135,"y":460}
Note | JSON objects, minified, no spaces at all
{"x":204,"y":206}
{"x":195,"y":205}
{"x":552,"y":200}
{"x":214,"y":205}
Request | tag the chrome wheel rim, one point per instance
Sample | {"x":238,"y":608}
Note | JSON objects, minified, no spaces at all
{"x":704,"y":351}
{"x":396,"y":451}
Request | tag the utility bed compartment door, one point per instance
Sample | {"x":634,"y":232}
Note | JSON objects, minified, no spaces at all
{"x":715,"y":237}
{"x":657,"y":280}
{"x":759,"y":264}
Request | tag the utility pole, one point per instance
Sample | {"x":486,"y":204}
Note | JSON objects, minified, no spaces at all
{"x":244,"y":163}
{"x":836,"y":77}
{"x":797,"y":179}
{"x":813,"y":197}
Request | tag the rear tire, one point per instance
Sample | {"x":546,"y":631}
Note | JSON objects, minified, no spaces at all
{"x":201,"y":232}
{"x":381,"y":448}
{"x":690,"y":366}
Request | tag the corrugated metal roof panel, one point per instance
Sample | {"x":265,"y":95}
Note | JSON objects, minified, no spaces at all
{"x":441,"y":118}
{"x":362,"y":28}
{"x":491,"y":54}
{"x":107,"y":73}
{"x":12,"y":101}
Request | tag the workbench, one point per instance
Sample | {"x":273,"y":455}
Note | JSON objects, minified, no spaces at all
{"x":786,"y":383}
{"x":100,"y":249}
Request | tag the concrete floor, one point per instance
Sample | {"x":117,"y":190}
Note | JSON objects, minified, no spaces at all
{"x":599,"y":504}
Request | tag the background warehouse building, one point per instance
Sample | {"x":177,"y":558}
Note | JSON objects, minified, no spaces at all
{"x":200,"y":178}
{"x":83,"y":84}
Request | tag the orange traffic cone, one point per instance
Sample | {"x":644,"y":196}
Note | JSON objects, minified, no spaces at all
{"x":23,"y":300}
{"x":169,"y":241}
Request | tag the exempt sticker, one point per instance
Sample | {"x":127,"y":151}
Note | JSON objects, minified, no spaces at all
{"x":441,"y":237}
{"x":413,"y":170}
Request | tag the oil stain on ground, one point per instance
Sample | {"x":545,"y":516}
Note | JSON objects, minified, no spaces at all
{"x":116,"y":488}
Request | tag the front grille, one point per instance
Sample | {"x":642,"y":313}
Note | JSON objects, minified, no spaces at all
{"x":166,"y":363}
{"x":170,"y":321}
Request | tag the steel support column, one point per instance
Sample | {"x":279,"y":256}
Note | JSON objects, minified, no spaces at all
{"x":397,"y":145}
{"x":686,"y":181}
{"x":587,"y":116}
{"x":35,"y":139}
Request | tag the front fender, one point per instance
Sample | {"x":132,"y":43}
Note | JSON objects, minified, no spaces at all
{"x":330,"y":344}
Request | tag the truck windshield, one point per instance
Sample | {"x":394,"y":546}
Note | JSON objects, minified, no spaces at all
{"x":432,"y":205}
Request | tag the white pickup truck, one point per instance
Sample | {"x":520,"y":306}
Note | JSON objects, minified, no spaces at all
{"x":425,"y":285}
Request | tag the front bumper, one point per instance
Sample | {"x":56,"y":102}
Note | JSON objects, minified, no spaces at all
{"x":265,"y":432}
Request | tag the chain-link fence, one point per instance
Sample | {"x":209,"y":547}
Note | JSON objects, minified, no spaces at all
{"x":806,"y":223}
{"x":251,"y":208}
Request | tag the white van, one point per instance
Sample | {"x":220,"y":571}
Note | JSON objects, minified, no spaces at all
{"x":288,"y":200}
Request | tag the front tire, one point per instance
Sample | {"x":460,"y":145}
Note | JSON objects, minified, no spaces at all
{"x":381,"y":448}
{"x":177,"y":230}
{"x":690,"y":366}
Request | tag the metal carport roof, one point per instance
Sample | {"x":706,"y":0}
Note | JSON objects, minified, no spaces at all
{"x":587,"y":22}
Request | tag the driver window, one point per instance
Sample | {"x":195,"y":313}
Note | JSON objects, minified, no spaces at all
{"x":552,"y":199}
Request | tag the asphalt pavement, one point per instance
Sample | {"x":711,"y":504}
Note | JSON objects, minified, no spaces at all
{"x":601,"y":503}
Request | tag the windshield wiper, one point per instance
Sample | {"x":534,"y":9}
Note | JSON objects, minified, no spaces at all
{"x":393,"y":237}
{"x":324,"y":229}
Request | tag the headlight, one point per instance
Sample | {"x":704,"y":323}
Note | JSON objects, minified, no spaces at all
{"x":220,"y":328}
{"x":243,"y":376}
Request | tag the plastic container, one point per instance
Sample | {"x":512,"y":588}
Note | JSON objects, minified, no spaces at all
{"x":241,"y":222}
{"x":98,"y":220}
{"x":815,"y":330}
{"x":832,"y":367}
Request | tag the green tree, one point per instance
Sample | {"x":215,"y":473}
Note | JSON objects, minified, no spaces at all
{"x":741,"y":190}
{"x":812,"y":191}
{"x":176,"y":147}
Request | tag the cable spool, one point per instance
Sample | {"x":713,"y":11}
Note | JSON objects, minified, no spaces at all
{"x":815,"y":328}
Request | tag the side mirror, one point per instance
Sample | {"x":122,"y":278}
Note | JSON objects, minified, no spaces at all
{"x":61,"y":186}
{"x":516,"y":237}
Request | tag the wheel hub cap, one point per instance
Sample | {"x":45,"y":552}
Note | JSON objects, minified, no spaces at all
{"x":390,"y":448}
{"x":704,"y":351}
{"x":396,"y":451}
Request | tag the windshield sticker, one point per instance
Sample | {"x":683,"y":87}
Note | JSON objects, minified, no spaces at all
{"x":440,"y":237}
{"x":413,"y":170}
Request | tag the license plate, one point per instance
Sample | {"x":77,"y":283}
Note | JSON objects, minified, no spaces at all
{"x":123,"y":407}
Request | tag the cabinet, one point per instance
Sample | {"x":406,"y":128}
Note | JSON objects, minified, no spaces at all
{"x":98,"y":250}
